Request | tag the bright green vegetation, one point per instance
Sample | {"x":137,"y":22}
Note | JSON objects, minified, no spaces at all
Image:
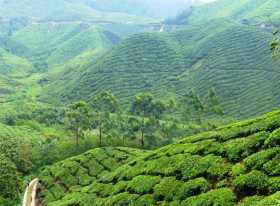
{"x":202,"y":56}
{"x":35,"y":134}
{"x":9,"y":181}
{"x":51,"y":44}
{"x":81,"y":84}
{"x":233,"y":165}
{"x":13,"y":66}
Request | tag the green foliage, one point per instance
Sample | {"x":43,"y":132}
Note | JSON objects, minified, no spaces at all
{"x":238,"y":169}
{"x":150,"y":110}
{"x":142,"y":184}
{"x":104,"y":104}
{"x":146,"y":62}
{"x":196,"y":171}
{"x":78,"y":119}
{"x":167,"y":189}
{"x":250,"y":201}
{"x":10,"y":183}
{"x":18,"y":152}
{"x":193,"y":187}
{"x":254,"y":181}
{"x":221,"y":197}
{"x":257,"y":160}
{"x":274,"y":139}
{"x":274,"y":183}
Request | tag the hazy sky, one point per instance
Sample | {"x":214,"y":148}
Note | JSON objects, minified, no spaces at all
{"x":206,"y":1}
{"x":154,"y":8}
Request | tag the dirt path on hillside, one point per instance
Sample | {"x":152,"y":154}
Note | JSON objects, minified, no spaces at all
{"x":30,"y":194}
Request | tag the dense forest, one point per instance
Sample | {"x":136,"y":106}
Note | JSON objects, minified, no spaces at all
{"x":139,"y":103}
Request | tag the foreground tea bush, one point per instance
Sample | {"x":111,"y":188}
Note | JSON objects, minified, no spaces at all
{"x":236,"y":165}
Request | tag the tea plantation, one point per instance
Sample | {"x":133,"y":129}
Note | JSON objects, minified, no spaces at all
{"x":233,"y":58}
{"x":233,"y":165}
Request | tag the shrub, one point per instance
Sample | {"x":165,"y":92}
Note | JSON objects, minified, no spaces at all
{"x":142,"y":184}
{"x":272,"y":167}
{"x":193,"y":187}
{"x":121,"y":199}
{"x":219,"y":197}
{"x":274,"y":139}
{"x":237,"y":149}
{"x":218,"y":168}
{"x":10,"y":184}
{"x":145,"y":200}
{"x":119,"y":187}
{"x":18,"y":152}
{"x":251,"y":201}
{"x":257,"y":160}
{"x":238,"y":169}
{"x":252,"y":182}
{"x":167,"y":189}
{"x":272,"y":200}
{"x":274,"y":184}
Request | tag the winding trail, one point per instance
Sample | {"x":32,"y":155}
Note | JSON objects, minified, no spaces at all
{"x":30,"y":194}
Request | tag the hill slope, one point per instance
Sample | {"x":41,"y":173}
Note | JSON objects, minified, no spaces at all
{"x":50,"y":44}
{"x":254,"y":11}
{"x":234,"y":165}
{"x":233,"y":58}
{"x":13,"y":66}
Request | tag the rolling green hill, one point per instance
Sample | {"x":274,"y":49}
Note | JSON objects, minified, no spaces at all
{"x":256,"y":11}
{"x":50,"y":44}
{"x":13,"y":66}
{"x":233,"y":165}
{"x":231,"y":57}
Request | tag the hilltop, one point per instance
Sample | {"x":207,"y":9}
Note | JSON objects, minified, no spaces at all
{"x":232,"y":165}
{"x":247,"y":12}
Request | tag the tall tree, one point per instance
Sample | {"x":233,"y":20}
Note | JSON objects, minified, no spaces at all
{"x":195,"y":107}
{"x":78,"y":119}
{"x":212,"y":103}
{"x":104,"y":105}
{"x":275,"y":44}
{"x":18,"y":151}
{"x":147,"y":108}
{"x":192,"y":106}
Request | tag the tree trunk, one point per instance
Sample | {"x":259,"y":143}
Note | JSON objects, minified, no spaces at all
{"x":77,"y":137}
{"x":100,"y":136}
{"x":142,"y":133}
{"x":100,"y":130}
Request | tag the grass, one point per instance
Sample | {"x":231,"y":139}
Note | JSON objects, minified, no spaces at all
{"x":196,"y":171}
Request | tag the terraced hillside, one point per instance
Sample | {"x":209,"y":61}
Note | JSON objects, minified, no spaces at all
{"x":233,"y":58}
{"x":247,"y":11}
{"x":50,"y":44}
{"x":13,"y":66}
{"x":8,"y":87}
{"x":233,"y":165}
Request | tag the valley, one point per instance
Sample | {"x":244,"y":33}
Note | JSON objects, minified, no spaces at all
{"x":139,"y":102}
